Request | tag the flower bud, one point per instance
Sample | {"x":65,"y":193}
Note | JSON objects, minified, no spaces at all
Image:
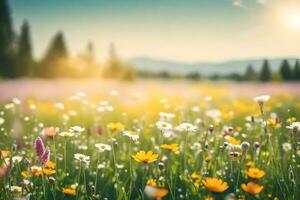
{"x":52,"y":179}
{"x":161,"y":165}
{"x":256,"y":144}
{"x":245,"y":146}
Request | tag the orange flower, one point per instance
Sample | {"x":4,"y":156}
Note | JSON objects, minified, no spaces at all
{"x":69,"y":191}
{"x":37,"y":171}
{"x":50,"y":131}
{"x":4,"y":154}
{"x":161,"y":192}
{"x":154,"y":192}
{"x":215,"y":184}
{"x":252,"y":188}
{"x":50,"y":164}
{"x":171,"y":147}
{"x":255,"y":173}
{"x":144,"y":157}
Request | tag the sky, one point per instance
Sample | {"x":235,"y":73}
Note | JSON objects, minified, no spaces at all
{"x":182,"y":30}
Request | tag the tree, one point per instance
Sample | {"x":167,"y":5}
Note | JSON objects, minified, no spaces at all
{"x":55,"y":62}
{"x":296,"y":72}
{"x":116,"y":68}
{"x":6,"y":39}
{"x":250,"y":74}
{"x":265,"y":74}
{"x":285,"y":71}
{"x":24,"y":54}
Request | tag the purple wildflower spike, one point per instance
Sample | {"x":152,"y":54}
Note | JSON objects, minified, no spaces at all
{"x":39,"y":147}
{"x":46,"y":156}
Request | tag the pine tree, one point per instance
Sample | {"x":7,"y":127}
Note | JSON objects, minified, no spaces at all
{"x":250,"y":74}
{"x":265,"y":74}
{"x":114,"y":67}
{"x":296,"y":72}
{"x":6,"y":39}
{"x":91,"y":68}
{"x":285,"y":70}
{"x":55,"y":61}
{"x":24,"y":56}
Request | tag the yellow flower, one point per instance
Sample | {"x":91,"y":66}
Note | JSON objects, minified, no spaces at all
{"x":196,"y":177}
{"x":69,"y":191}
{"x":232,"y":140}
{"x":116,"y":126}
{"x":255,"y":173}
{"x":215,"y":184}
{"x":249,"y":164}
{"x":291,"y":120}
{"x":273,"y":123}
{"x":49,"y":171}
{"x":144,"y":157}
{"x":25,"y":174}
{"x":171,"y":147}
{"x":208,"y":158}
{"x":151,"y":182}
{"x":252,"y":188}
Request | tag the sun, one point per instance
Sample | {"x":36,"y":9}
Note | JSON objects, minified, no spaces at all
{"x":294,"y":21}
{"x":290,"y":16}
{"x":284,"y":15}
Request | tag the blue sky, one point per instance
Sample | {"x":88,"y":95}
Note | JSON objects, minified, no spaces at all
{"x":187,"y":30}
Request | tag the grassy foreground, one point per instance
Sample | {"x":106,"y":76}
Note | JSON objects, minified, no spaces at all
{"x":147,"y":146}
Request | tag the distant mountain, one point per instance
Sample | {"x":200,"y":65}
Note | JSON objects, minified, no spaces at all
{"x":206,"y":68}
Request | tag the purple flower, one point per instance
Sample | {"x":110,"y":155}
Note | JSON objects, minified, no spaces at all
{"x":39,"y":147}
{"x":45,"y":157}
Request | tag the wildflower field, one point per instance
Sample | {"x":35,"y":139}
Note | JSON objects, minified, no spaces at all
{"x":191,"y":142}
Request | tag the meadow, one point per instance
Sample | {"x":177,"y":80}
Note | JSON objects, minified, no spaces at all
{"x":149,"y":140}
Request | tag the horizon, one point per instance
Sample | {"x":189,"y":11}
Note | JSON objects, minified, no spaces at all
{"x":167,"y":30}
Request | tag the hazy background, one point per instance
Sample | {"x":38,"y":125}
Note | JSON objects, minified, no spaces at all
{"x":189,"y":31}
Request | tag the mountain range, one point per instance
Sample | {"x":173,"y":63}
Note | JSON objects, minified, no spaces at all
{"x":147,"y":64}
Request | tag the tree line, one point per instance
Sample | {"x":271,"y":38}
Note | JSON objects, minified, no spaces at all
{"x":286,"y":72}
{"x":16,"y":55}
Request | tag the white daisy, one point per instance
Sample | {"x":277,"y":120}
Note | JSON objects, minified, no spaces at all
{"x":133,"y":135}
{"x":262,"y":99}
{"x":82,"y":158}
{"x":102,"y":147}
{"x":186,"y":127}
